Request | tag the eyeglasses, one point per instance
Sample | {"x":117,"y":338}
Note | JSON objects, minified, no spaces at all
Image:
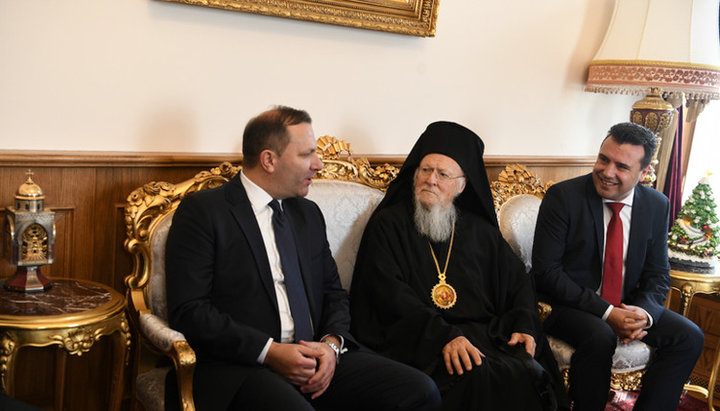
{"x":426,"y":172}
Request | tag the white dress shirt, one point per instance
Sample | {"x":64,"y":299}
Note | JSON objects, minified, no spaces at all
{"x":259,"y":200}
{"x":625,"y":217}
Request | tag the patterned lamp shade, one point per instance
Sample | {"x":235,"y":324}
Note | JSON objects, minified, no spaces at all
{"x":669,"y":44}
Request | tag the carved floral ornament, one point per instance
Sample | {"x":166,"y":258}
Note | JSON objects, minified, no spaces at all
{"x":75,"y":341}
{"x":411,"y":17}
{"x":514,"y":180}
{"x":145,"y":203}
{"x":78,"y":341}
{"x":358,"y":170}
{"x":7,"y":345}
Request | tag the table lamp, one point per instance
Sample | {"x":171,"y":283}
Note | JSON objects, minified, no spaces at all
{"x":667,"y":51}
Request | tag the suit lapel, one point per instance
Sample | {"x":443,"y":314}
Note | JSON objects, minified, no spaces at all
{"x":640,"y":217}
{"x":595,"y":204}
{"x":242,"y":211}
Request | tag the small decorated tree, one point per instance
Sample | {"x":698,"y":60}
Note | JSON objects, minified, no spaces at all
{"x":695,"y":232}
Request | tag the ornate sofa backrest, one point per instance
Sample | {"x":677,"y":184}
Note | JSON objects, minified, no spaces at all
{"x":148,"y":215}
{"x":347,"y":190}
{"x":517,"y":195}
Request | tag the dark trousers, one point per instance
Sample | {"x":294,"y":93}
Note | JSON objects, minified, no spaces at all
{"x":362,"y":381}
{"x":677,"y":341}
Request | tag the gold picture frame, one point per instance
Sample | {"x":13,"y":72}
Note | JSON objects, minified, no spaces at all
{"x":411,"y":17}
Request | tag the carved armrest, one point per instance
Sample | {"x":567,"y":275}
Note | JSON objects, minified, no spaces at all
{"x":158,"y":333}
{"x":174,"y":345}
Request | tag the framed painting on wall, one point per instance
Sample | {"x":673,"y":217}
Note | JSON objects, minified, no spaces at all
{"x":411,"y":17}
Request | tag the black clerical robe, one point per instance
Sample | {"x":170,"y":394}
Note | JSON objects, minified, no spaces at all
{"x":393,"y":313}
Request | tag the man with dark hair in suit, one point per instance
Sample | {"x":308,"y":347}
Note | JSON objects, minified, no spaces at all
{"x":600,"y":258}
{"x":253,"y":287}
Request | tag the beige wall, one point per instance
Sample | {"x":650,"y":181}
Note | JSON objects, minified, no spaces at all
{"x":145,"y":75}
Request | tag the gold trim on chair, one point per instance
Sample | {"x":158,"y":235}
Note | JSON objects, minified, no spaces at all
{"x":146,"y":207}
{"x":184,"y":360}
{"x":514,"y":180}
{"x":149,"y":205}
{"x":624,"y":381}
{"x":359,"y":170}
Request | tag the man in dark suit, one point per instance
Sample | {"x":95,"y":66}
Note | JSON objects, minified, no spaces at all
{"x":253,"y":287}
{"x":605,"y":293}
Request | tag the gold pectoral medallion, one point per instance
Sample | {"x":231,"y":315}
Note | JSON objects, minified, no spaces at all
{"x":443,"y":295}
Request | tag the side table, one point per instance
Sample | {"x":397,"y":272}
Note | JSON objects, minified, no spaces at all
{"x":73,"y":314}
{"x":689,"y":284}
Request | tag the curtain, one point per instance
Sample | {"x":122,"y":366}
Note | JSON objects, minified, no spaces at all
{"x":674,"y":179}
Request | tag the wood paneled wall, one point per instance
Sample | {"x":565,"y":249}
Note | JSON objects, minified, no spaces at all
{"x":88,"y":192}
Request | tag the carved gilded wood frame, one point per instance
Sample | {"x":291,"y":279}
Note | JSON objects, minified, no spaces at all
{"x":412,"y":17}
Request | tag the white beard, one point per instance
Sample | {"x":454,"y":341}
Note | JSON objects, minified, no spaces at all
{"x":436,"y":223}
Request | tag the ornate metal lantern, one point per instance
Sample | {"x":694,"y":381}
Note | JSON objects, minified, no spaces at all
{"x":30,"y":237}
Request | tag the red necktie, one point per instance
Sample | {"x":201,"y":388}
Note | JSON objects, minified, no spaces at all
{"x":613,"y":266}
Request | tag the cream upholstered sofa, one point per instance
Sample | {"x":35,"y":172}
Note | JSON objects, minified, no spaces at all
{"x":517,"y":194}
{"x":347,"y":190}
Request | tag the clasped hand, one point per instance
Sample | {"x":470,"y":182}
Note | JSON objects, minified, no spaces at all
{"x":309,"y":365}
{"x":628,"y":322}
{"x":460,"y":354}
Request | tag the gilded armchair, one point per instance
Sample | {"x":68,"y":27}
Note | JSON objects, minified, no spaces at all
{"x":346,"y":190}
{"x":148,"y":215}
{"x":517,"y":195}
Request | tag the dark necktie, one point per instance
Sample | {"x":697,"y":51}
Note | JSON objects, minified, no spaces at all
{"x":291,"y":270}
{"x":613,"y":266}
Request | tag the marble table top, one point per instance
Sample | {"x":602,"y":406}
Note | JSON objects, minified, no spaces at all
{"x":66,"y":296}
